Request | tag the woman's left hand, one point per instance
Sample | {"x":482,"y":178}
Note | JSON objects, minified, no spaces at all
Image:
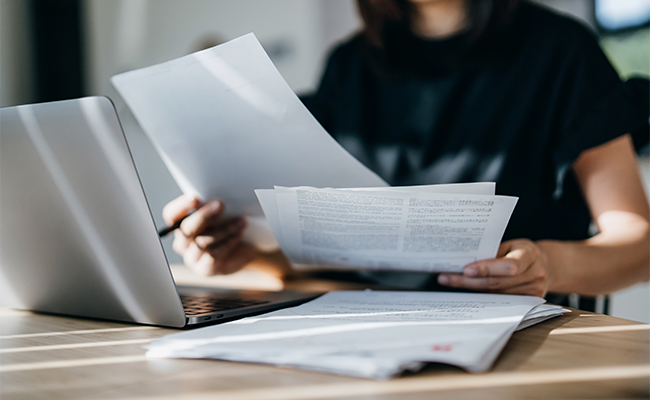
{"x":521,"y":267}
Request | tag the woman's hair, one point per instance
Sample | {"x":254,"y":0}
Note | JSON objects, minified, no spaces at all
{"x":377,"y":14}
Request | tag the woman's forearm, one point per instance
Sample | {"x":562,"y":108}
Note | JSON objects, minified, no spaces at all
{"x":617,"y":257}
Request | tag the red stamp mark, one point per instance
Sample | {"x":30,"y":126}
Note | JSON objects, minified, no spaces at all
{"x":442,"y":347}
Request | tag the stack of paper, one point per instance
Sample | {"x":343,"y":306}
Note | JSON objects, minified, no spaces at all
{"x":371,"y":334}
{"x":434,"y":228}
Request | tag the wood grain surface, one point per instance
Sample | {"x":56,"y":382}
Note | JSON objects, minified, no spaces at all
{"x":579,"y":355}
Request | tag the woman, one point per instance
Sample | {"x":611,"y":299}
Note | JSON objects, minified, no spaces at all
{"x":437,"y":91}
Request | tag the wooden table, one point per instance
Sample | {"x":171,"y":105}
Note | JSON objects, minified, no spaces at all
{"x":579,"y":355}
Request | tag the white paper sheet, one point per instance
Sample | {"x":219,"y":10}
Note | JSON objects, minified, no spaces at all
{"x":372,"y":334}
{"x":269,"y":203}
{"x":541,"y":313}
{"x":409,"y":228}
{"x":225,"y":122}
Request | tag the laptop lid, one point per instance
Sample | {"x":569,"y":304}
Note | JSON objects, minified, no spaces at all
{"x":77,"y":236}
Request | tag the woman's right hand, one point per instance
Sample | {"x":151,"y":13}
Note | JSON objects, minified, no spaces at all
{"x":209,"y":243}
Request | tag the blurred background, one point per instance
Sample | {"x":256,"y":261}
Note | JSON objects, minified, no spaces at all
{"x":60,"y":49}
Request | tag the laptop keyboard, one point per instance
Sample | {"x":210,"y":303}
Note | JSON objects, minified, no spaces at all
{"x":195,"y":305}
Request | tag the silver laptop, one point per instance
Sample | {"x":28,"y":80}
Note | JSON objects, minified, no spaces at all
{"x":77,"y":236}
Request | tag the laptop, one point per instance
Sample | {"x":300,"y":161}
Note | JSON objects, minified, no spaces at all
{"x":77,"y":236}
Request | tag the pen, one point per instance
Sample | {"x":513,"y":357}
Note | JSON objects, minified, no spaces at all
{"x":169,"y":229}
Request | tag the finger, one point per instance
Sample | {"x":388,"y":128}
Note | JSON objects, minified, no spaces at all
{"x":202,"y":218}
{"x":496,"y":267}
{"x":179,"y":208}
{"x":522,"y":249}
{"x":191,"y":255}
{"x":505,"y":247}
{"x":238,"y":258}
{"x":205,"y":265}
{"x":514,"y":257}
{"x":219,"y":253}
{"x":215,"y":262}
{"x":481,"y":283}
{"x":214,"y":237}
{"x":526,"y":254}
{"x":181,"y":242}
{"x":527,"y":289}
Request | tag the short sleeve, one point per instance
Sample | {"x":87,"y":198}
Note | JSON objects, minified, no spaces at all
{"x":597,"y":106}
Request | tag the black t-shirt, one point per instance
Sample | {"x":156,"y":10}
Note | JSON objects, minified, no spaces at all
{"x":516,"y":107}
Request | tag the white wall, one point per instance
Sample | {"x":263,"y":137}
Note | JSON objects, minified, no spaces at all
{"x":338,"y":19}
{"x":580,"y":9}
{"x":127,"y":34}
{"x":15,"y":67}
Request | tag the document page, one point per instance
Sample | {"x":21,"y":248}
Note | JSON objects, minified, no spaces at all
{"x":374,"y":334}
{"x":408,"y":229}
{"x":225,"y":123}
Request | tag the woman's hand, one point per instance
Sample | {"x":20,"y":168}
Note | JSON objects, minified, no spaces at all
{"x":209,"y":243}
{"x":521,"y":267}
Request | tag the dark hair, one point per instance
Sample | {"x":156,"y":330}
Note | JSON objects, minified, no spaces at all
{"x":377,"y":14}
